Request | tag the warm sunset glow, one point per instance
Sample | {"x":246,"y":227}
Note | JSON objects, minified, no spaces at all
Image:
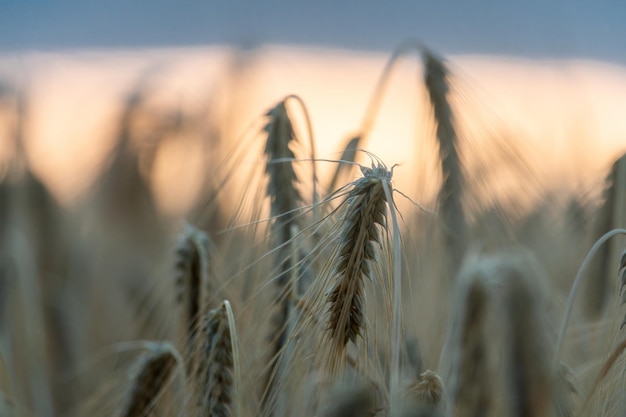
{"x":567,"y":116}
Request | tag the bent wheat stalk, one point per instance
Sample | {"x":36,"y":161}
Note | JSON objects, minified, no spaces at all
{"x":572,"y":295}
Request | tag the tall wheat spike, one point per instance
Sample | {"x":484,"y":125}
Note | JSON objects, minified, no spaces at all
{"x":217,"y":366}
{"x":192,"y":280}
{"x":285,"y":200}
{"x":154,"y":370}
{"x":453,"y":217}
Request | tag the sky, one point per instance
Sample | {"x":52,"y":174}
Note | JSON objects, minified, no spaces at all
{"x":533,"y":28}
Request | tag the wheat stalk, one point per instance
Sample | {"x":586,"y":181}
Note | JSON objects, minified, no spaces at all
{"x":574,"y":290}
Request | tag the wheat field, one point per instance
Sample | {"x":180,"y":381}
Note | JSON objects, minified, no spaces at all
{"x":278,"y":278}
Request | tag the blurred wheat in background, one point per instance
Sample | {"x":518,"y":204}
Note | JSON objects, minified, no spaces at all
{"x":285,"y":232}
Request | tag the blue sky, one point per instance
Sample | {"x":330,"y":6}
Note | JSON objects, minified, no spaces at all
{"x":533,"y":28}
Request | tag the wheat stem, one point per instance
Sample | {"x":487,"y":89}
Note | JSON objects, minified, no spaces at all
{"x":572,"y":295}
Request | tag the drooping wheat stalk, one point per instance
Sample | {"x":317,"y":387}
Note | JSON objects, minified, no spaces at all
{"x":154,"y":371}
{"x":453,"y":217}
{"x":574,"y":290}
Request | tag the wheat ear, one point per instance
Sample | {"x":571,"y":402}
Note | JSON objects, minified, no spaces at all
{"x":192,"y":281}
{"x":285,"y":199}
{"x":155,"y":369}
{"x":437,"y":80}
{"x":471,"y":390}
{"x":365,"y":215}
{"x":529,"y":374}
{"x":219,"y":364}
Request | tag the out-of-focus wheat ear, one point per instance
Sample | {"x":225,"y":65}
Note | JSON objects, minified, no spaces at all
{"x":349,"y":156}
{"x":528,"y":371}
{"x":364,"y":217}
{"x":470,"y":376}
{"x":219,"y":364}
{"x":453,"y":217}
{"x":154,"y":371}
{"x":192,"y":281}
{"x":428,"y":390}
{"x":285,"y":199}
{"x":611,"y":215}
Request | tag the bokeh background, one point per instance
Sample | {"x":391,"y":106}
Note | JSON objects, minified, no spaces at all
{"x":550,"y":74}
{"x":121,"y":121}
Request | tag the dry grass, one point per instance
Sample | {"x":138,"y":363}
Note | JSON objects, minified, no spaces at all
{"x":338,"y":301}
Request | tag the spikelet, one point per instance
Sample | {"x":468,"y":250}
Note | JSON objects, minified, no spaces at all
{"x":154,"y":370}
{"x":427,"y":391}
{"x":192,"y":280}
{"x":217,"y":366}
{"x":365,"y":215}
{"x":454,"y":224}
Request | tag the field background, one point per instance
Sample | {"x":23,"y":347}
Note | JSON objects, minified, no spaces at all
{"x":117,"y":138}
